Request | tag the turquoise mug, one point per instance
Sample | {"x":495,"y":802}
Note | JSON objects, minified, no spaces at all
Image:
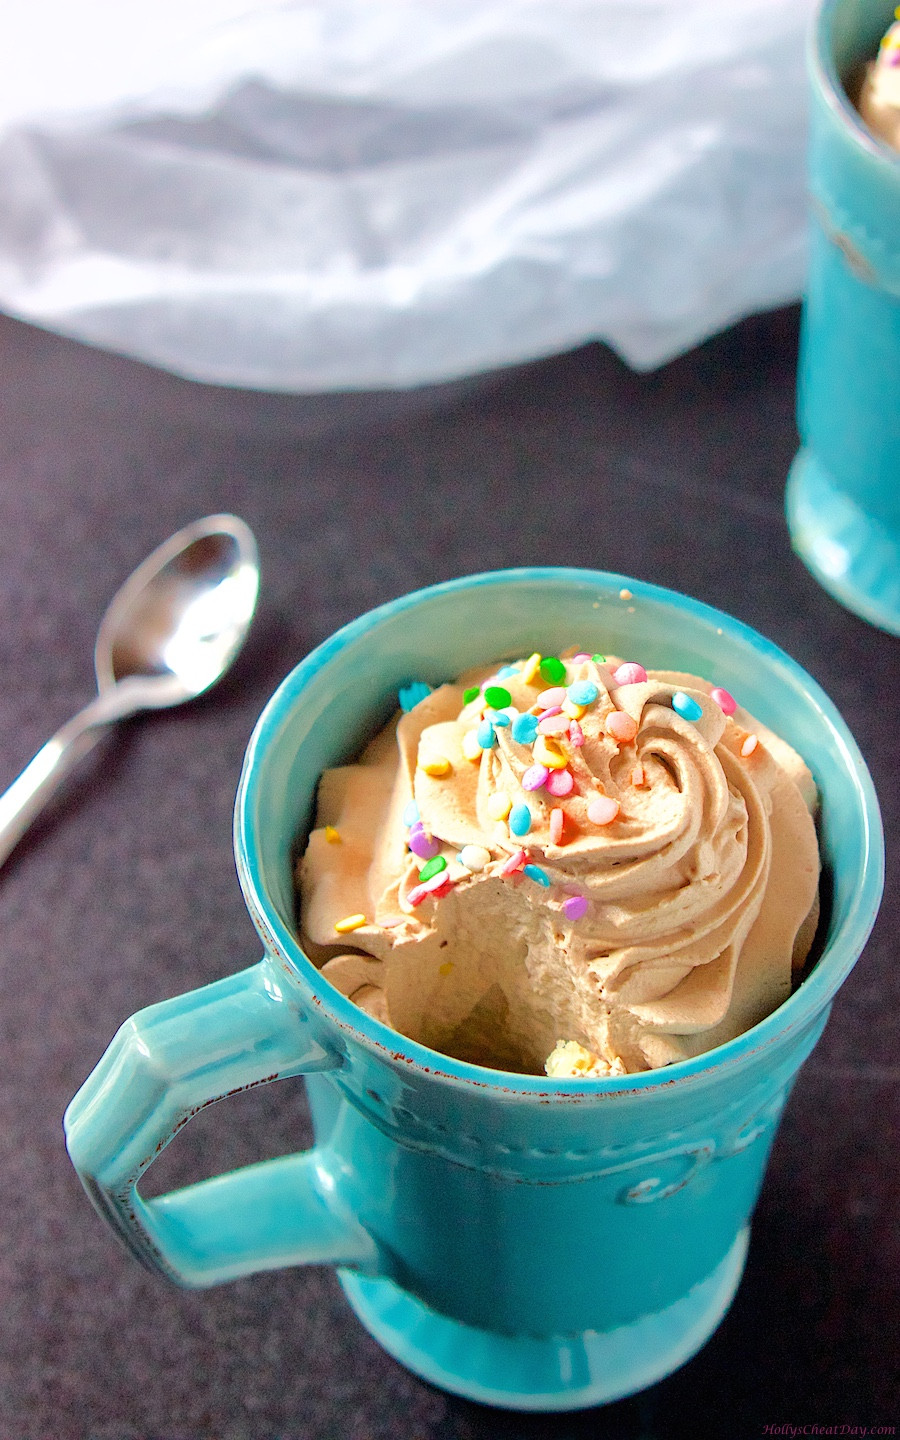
{"x":533,"y":1243}
{"x":843,"y":493}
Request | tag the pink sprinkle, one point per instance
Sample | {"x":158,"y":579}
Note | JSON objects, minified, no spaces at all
{"x":545,"y":714}
{"x":630,"y":674}
{"x":438,"y":886}
{"x":514,"y":863}
{"x":582,"y":655}
{"x":576,"y":734}
{"x":726,"y":703}
{"x":555,"y":696}
{"x":575,"y":907}
{"x":557,"y":821}
{"x":621,"y":727}
{"x":603,"y":810}
{"x":554,"y":724}
{"x":535,"y":776}
{"x":560,"y":782}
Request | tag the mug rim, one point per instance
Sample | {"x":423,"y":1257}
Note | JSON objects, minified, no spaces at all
{"x":824,"y":73}
{"x":815,"y":992}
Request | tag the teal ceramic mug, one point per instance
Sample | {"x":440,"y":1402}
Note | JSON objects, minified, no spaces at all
{"x":531,"y":1243}
{"x":843,"y":494}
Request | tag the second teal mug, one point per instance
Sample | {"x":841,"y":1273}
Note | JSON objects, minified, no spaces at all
{"x":533,"y":1243}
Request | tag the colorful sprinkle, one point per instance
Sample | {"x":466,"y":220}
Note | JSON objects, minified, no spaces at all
{"x":547,"y":752}
{"x":603,"y":810}
{"x":535,"y":776}
{"x":582,"y":655}
{"x":410,"y":695}
{"x":525,"y":729}
{"x":576,"y":734}
{"x":726,"y":703}
{"x":508,"y":672}
{"x":424,"y":846}
{"x":514,"y":863}
{"x":621,"y":727}
{"x":554,"y":696}
{"x":332,"y":835}
{"x":552,"y":669}
{"x":686,"y":706}
{"x":560,"y":783}
{"x":349,"y":922}
{"x":546,"y":714}
{"x":575,"y":906}
{"x":531,"y":668}
{"x":583,"y":692}
{"x":471,"y":694}
{"x":638,"y":777}
{"x":599,"y":659}
{"x":434,"y":866}
{"x":497,"y":696}
{"x":471,"y":746}
{"x":498,"y":718}
{"x":749,"y":745}
{"x":487,"y":735}
{"x":625,"y":594}
{"x":554,"y":725}
{"x":557,"y":825}
{"x":437,"y":766}
{"x":410,"y":812}
{"x":474,"y":857}
{"x":520,"y":819}
{"x":540,"y":876}
{"x":573,"y":711}
{"x":445,"y":968}
{"x":630,"y":674}
{"x":499,"y":805}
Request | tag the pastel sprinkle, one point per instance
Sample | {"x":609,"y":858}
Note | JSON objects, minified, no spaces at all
{"x":424,"y":846}
{"x":411,"y":695}
{"x":554,"y":725}
{"x":599,"y":659}
{"x":552,"y":669}
{"x":621,"y":727}
{"x":554,"y":696}
{"x":332,"y":835}
{"x":583,"y":692}
{"x":499,"y":805}
{"x":445,"y":968}
{"x":603,"y":810}
{"x":557,"y":824}
{"x":749,"y":745}
{"x":531,"y":668}
{"x":560,"y":783}
{"x":474,"y":857}
{"x":726,"y":703}
{"x":575,"y":906}
{"x":434,"y":866}
{"x":686,"y":706}
{"x":471,"y":746}
{"x":487,"y":735}
{"x":514,"y":863}
{"x":582,"y":655}
{"x":416,"y":825}
{"x":524,"y":729}
{"x":437,"y":766}
{"x":471,"y":694}
{"x":410,"y":812}
{"x":546,"y":714}
{"x":497,"y":696}
{"x":573,"y":711}
{"x":547,"y":752}
{"x":508,"y":672}
{"x":349,"y":922}
{"x":638,"y":778}
{"x":520,"y":818}
{"x":535,"y":776}
{"x":540,"y":876}
{"x":498,"y":717}
{"x":576,"y":734}
{"x":630,"y":674}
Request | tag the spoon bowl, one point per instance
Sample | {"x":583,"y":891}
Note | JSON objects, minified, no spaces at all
{"x":169,"y":634}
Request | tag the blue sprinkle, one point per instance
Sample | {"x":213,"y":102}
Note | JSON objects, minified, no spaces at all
{"x":497,"y":717}
{"x":520,"y":819}
{"x":525,"y":729}
{"x":410,"y":812}
{"x":486,"y":735}
{"x":684,"y":706}
{"x":410,"y":695}
{"x":583,"y":692}
{"x":534,"y":872}
{"x":507,"y":672}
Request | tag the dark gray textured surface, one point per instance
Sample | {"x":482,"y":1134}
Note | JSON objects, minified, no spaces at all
{"x":126,"y":892}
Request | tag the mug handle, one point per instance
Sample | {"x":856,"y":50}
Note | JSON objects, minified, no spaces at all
{"x":170,"y":1061}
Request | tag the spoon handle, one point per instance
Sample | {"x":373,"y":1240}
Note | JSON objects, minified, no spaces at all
{"x":42,"y":776}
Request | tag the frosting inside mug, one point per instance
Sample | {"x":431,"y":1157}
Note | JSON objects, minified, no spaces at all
{"x":565,"y":863}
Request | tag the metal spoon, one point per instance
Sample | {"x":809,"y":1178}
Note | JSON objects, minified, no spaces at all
{"x":170,"y":632}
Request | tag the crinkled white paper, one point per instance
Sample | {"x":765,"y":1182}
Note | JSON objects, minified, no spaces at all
{"x":364,"y":193}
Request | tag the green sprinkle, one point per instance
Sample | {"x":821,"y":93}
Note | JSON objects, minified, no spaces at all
{"x":599,"y":659}
{"x":470,"y":694}
{"x":498,"y":697}
{"x":432,"y":867}
{"x":553,"y":669}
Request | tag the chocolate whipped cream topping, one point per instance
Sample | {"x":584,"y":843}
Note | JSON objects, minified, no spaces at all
{"x":566,"y":863}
